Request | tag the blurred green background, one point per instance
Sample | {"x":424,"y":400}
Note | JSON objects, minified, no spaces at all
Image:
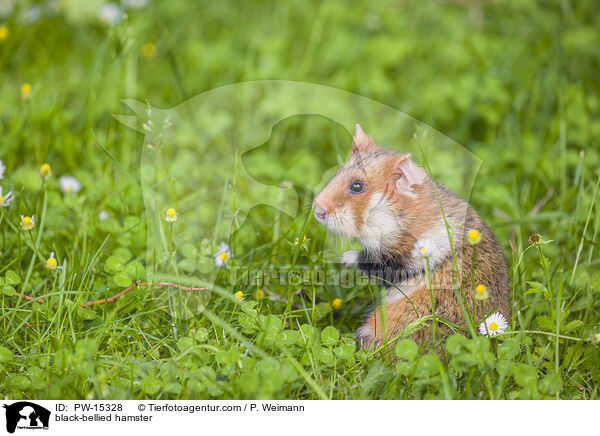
{"x":515,"y":82}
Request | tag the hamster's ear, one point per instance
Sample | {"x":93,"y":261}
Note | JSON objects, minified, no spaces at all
{"x":361,"y":141}
{"x":407,"y":174}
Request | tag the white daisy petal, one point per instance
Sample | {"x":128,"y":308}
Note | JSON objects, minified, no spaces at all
{"x":69,"y":184}
{"x":424,"y":248}
{"x":111,"y":14}
{"x":6,"y":199}
{"x":223,"y":255}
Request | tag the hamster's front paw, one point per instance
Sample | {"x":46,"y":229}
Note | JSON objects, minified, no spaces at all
{"x":350,"y":258}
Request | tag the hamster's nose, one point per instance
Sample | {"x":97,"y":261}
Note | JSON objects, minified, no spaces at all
{"x":320,"y":213}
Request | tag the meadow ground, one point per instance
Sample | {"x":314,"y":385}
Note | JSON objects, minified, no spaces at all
{"x":516,"y":83}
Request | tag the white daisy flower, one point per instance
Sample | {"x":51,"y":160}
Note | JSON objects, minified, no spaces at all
{"x":103,"y":215}
{"x":424,"y":248}
{"x":223,"y":255}
{"x":170,"y":215}
{"x":111,"y":14}
{"x":52,"y":263}
{"x":6,"y":199}
{"x":27,"y":223}
{"x":2,"y":169}
{"x":69,"y":184}
{"x":493,"y":325}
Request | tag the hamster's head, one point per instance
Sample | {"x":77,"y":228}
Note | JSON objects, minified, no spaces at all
{"x":375,"y":197}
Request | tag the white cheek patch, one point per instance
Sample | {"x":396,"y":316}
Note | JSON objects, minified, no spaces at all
{"x":343,"y":222}
{"x":438,"y":234}
{"x":381,"y":227}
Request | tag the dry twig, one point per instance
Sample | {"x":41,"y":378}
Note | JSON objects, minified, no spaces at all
{"x":123,"y":292}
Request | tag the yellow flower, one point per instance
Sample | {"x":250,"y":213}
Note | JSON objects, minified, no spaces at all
{"x":239,"y":295}
{"x":148,"y":50}
{"x":4,"y":32}
{"x":170,"y":215}
{"x":474,"y":237}
{"x":260,"y":294}
{"x":337,"y":303}
{"x":51,"y":263}
{"x":481,"y":293}
{"x":27,"y":223}
{"x":297,"y":241}
{"x":26,"y":91}
{"x":45,"y":171}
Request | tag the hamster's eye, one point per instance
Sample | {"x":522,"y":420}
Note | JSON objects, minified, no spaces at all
{"x":356,"y":187}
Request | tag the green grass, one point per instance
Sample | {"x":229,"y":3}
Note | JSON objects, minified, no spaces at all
{"x":516,"y":83}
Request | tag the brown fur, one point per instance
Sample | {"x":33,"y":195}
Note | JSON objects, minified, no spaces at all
{"x":490,"y":270}
{"x":416,"y":209}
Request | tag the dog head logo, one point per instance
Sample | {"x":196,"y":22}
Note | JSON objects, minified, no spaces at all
{"x":26,"y":415}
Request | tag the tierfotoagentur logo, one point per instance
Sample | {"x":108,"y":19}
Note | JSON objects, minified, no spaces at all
{"x":25,"y":415}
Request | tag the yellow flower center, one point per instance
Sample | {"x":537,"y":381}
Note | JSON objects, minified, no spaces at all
{"x":493,"y":326}
{"x":148,"y":50}
{"x":480,"y":289}
{"x":45,"y":170}
{"x":473,"y":235}
{"x":423,"y":250}
{"x":239,"y":294}
{"x":25,"y":89}
{"x":1,"y":198}
{"x":27,"y":223}
{"x":68,"y":189}
{"x":171,"y":213}
{"x":337,"y":303}
{"x":224,"y":256}
{"x":3,"y":33}
{"x":51,"y":263}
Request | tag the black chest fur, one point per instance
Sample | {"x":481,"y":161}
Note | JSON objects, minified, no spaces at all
{"x":386,"y":270}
